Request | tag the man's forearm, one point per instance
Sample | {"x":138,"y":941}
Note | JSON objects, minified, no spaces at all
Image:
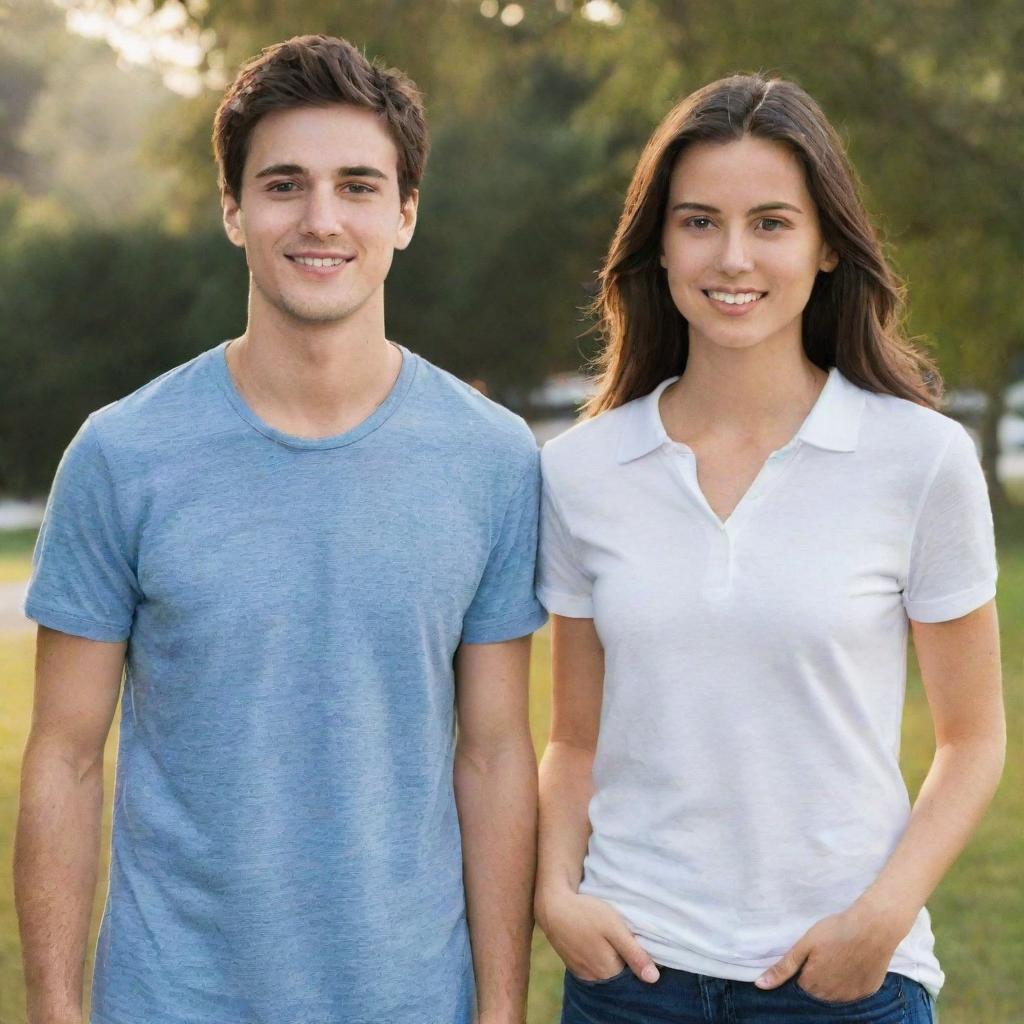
{"x":497,"y":802}
{"x":56,"y":857}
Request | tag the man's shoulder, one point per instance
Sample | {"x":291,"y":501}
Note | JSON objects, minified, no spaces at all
{"x":168,"y":410}
{"x":458,"y":409}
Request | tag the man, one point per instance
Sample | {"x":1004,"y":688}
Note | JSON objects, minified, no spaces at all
{"x":311,"y":552}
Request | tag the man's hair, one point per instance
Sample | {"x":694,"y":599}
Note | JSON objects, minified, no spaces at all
{"x":316,"y":71}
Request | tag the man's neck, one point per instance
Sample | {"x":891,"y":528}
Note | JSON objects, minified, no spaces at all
{"x":313,"y":380}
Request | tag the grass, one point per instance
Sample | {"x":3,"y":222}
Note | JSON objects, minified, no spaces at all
{"x":978,"y":912}
{"x":15,"y":561}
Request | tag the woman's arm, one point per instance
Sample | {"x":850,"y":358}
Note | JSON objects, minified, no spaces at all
{"x":845,"y":956}
{"x":587,"y":933}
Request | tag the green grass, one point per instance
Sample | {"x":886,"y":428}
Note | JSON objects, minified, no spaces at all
{"x":978,"y":912}
{"x":15,"y":563}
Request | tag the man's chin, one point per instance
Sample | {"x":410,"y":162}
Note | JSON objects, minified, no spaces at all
{"x":315,"y":315}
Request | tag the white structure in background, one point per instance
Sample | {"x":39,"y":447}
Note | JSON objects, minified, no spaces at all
{"x":20,"y":515}
{"x":553,"y":408}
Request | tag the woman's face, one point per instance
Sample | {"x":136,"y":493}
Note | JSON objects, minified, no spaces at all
{"x":741,"y":245}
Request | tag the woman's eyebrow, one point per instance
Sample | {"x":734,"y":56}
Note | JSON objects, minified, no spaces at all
{"x":760,"y":208}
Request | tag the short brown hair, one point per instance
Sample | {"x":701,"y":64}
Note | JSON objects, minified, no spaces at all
{"x":315,"y":71}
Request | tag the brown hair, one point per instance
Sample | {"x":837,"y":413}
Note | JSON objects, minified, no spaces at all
{"x":853,"y":318}
{"x":314,"y":71}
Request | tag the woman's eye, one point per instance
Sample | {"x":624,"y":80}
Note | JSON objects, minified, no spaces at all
{"x":771,"y":224}
{"x":700,"y":223}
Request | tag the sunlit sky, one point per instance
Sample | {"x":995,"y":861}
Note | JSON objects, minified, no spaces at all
{"x":166,"y":39}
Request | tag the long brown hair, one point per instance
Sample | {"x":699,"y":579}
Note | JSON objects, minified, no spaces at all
{"x":853,"y":318}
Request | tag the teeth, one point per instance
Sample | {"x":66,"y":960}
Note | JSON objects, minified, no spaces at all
{"x":735,"y":300}
{"x":314,"y":261}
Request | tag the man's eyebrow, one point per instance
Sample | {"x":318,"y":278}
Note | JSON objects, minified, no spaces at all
{"x":358,"y":171}
{"x":760,"y":208}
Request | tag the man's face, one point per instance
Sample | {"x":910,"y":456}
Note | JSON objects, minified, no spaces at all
{"x":319,"y":215}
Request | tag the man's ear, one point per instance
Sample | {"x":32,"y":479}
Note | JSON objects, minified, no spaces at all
{"x":233,"y":223}
{"x":407,"y":219}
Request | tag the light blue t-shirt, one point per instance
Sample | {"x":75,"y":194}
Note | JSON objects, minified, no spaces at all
{"x":286,"y":848}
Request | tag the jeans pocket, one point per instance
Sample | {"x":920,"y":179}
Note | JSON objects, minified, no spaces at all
{"x":890,"y":988}
{"x":599,"y":981}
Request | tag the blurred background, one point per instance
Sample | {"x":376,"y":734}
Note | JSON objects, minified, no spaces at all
{"x":114,"y":268}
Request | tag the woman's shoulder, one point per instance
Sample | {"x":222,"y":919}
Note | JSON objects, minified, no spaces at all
{"x":897,"y":424}
{"x":594,"y":443}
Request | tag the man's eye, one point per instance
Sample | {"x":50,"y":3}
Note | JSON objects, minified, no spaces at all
{"x":283,"y":187}
{"x":358,"y":188}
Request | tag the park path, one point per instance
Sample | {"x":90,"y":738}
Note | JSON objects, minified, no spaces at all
{"x":12,"y":619}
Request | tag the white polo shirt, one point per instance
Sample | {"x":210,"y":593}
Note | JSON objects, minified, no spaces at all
{"x":747,"y":778}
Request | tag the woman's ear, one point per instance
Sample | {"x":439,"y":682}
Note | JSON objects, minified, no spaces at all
{"x":829,"y":259}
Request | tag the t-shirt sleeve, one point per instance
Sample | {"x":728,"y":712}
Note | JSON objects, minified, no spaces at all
{"x":952,"y":568}
{"x":562,"y":585}
{"x":504,"y":606}
{"x":83,"y":580}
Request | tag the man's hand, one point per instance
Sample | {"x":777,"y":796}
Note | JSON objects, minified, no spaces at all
{"x":842,"y":958}
{"x":592,"y":939}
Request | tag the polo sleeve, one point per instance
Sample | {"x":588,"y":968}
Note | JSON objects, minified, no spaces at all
{"x":952,"y":568}
{"x":504,"y":606}
{"x":83,"y":581}
{"x":562,"y":585}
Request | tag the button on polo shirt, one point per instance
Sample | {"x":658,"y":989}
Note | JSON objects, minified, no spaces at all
{"x":747,"y":777}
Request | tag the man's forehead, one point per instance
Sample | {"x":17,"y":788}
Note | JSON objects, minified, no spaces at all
{"x":323,"y":139}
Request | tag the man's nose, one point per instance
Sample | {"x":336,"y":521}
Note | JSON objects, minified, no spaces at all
{"x":321,"y":214}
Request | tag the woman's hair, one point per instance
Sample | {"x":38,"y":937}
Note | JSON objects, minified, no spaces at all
{"x":853,"y":319}
{"x":315,"y":71}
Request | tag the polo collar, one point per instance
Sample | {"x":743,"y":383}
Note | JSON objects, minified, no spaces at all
{"x":833,"y":423}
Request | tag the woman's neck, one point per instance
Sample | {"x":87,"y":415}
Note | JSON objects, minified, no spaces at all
{"x":759,"y":392}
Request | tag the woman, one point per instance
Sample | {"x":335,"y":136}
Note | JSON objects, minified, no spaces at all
{"x":733,"y":545}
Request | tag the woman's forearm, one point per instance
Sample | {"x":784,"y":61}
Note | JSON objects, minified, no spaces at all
{"x":566,"y":786}
{"x":954,"y":796}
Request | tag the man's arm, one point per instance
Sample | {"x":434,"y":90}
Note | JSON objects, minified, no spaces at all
{"x":496,"y":795}
{"x":56,"y":849}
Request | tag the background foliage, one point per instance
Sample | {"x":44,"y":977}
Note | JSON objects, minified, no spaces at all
{"x":112,"y":267}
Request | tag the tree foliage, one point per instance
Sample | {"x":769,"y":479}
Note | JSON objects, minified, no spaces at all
{"x":536,"y":127}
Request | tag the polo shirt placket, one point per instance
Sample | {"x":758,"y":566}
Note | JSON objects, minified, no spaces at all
{"x":723,"y":536}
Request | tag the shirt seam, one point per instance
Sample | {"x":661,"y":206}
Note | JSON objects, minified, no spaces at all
{"x":39,"y":606}
{"x":573,"y":539}
{"x":503,"y":625}
{"x":118,"y":513}
{"x":922,"y":502}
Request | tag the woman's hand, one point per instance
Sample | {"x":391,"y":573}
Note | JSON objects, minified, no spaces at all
{"x":842,"y":958}
{"x":592,"y":939}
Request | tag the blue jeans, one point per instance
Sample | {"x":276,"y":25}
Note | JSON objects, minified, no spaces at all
{"x":683,"y":998}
